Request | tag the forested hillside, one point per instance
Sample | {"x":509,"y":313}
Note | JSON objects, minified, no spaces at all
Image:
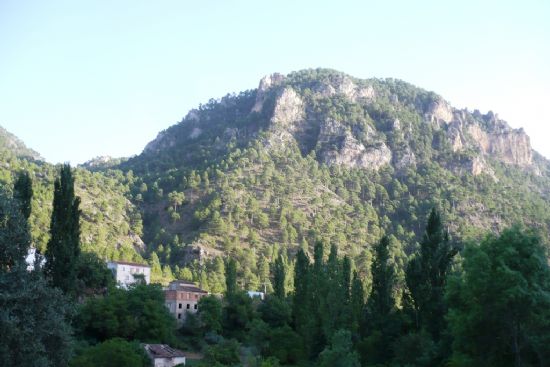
{"x":313,"y":155}
{"x":318,"y":154}
{"x":111,"y":224}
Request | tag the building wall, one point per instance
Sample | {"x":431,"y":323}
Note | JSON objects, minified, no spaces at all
{"x":169,"y":362}
{"x":124,"y":273}
{"x":179,"y":303}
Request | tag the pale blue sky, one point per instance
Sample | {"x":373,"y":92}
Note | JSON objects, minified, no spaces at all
{"x":85,"y":78}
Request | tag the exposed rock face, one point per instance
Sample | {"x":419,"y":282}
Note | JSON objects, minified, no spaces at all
{"x":266,"y":83}
{"x":162,"y":141}
{"x":288,"y":118}
{"x":341,"y":84}
{"x":440,"y":111}
{"x":339,"y":147}
{"x":289,"y":109}
{"x":407,"y":159}
{"x":492,"y":137}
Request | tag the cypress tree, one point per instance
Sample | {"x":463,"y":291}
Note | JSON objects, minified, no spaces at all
{"x":22,"y":190}
{"x":279,"y":278}
{"x":231,"y":278}
{"x":381,"y":300}
{"x":357,"y":302}
{"x":64,"y":244}
{"x":426,"y":276}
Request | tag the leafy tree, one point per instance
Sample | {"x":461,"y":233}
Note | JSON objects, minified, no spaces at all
{"x":23,"y":192}
{"x":340,"y":353}
{"x":64,"y":244}
{"x":34,"y":321}
{"x":210,"y":314}
{"x":509,"y":323}
{"x":135,"y":314}
{"x":93,"y":276}
{"x":112,"y":353}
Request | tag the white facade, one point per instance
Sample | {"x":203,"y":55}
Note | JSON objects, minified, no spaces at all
{"x":168,"y":362}
{"x":127,"y":273}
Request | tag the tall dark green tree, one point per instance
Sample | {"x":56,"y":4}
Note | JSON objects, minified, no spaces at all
{"x":499,"y":308}
{"x":426,"y":276}
{"x":64,"y":244}
{"x":230,"y":277}
{"x":22,"y":190}
{"x":279,"y":275}
{"x":14,"y":234}
{"x":357,"y":303}
{"x":381,"y":326}
{"x":381,"y":300}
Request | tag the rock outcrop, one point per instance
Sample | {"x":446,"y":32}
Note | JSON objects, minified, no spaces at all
{"x":491,"y":137}
{"x":338,"y":146}
{"x":266,"y":83}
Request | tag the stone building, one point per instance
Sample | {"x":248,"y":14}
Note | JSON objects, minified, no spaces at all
{"x":182,"y":297}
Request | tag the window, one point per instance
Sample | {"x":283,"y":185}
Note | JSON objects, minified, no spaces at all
{"x":196,"y":296}
{"x":195,"y":306}
{"x":179,"y":315}
{"x":188,"y":305}
{"x":179,"y":305}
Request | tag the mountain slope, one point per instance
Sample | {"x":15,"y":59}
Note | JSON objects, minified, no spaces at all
{"x":110,"y":223}
{"x":318,"y":154}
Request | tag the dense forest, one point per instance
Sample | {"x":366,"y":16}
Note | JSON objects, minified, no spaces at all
{"x":482,"y":304}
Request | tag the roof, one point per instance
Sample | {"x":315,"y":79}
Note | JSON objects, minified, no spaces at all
{"x":162,"y":351}
{"x":191,"y":288}
{"x":186,"y":286}
{"x":129,"y":263}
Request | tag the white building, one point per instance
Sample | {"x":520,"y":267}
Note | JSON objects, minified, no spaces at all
{"x":163,"y":355}
{"x":127,"y":273}
{"x":254,"y":294}
{"x":30,"y":259}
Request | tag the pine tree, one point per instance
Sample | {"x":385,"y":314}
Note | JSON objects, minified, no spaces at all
{"x":64,"y":244}
{"x":22,"y":190}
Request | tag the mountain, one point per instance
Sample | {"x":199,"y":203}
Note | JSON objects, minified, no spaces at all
{"x":111,"y":224}
{"x":10,"y":143}
{"x":320,"y":155}
{"x":312,"y":155}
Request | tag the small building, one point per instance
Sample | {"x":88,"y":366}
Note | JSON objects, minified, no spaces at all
{"x":32,"y":256}
{"x":254,"y":294}
{"x":182,"y":297}
{"x":162,"y":355}
{"x":128,"y":273}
